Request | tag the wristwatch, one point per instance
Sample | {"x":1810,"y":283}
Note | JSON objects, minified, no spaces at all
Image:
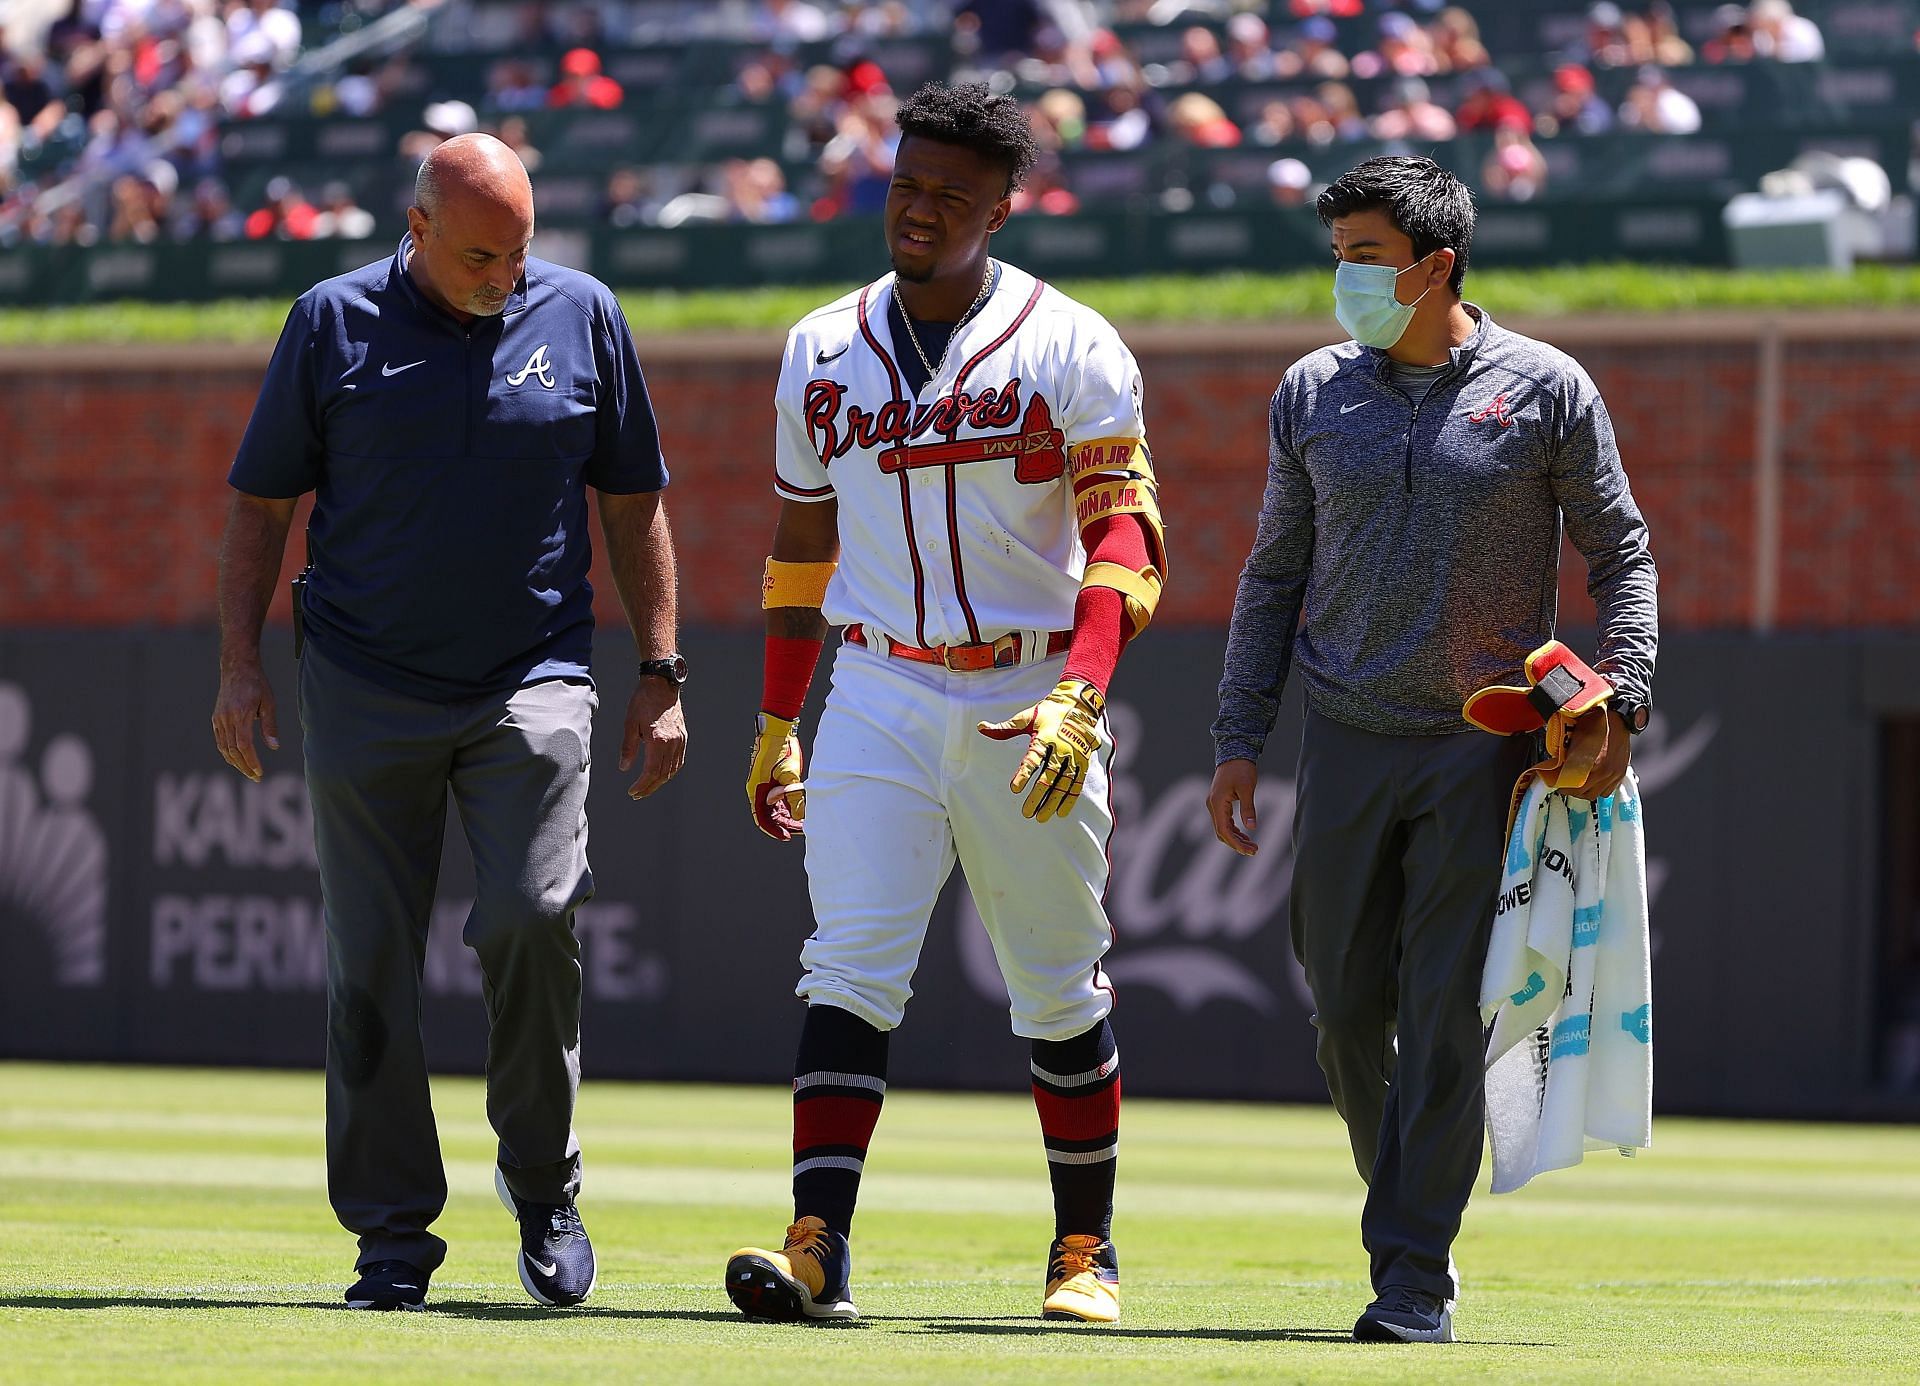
{"x":672,"y":668}
{"x":1634,"y":714}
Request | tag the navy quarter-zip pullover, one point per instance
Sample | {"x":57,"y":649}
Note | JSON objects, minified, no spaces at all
{"x":1423,"y":539}
{"x":450,"y":463}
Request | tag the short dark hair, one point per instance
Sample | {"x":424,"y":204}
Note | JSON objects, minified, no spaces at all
{"x":1423,"y":200}
{"x":970,"y":115}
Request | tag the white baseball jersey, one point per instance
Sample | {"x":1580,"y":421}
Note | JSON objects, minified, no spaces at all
{"x":956,"y":510}
{"x":957,"y":526}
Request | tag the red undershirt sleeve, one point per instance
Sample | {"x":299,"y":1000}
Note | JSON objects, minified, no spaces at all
{"x":1100,"y":625}
{"x":788,"y":673}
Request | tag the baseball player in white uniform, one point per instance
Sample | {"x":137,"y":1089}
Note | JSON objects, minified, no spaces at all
{"x":966,"y":489}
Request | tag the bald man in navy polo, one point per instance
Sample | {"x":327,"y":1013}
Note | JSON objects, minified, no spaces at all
{"x":449,"y":407}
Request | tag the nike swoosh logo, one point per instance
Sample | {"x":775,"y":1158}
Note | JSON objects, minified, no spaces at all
{"x":1349,"y":408}
{"x":544,"y":1270}
{"x":827,"y":356}
{"x":391,"y":369}
{"x":406,"y":1287}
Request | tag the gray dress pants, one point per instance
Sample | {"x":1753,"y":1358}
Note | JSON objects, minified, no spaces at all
{"x":1397,"y":855}
{"x":379,"y":766}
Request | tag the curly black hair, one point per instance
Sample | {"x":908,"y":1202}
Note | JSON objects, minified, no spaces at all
{"x":969,"y":115}
{"x":1426,"y":202}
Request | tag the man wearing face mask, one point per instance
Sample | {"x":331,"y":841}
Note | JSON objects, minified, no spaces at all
{"x":1418,"y":480}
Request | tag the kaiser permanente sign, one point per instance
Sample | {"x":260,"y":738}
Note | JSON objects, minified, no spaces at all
{"x":156,"y":906}
{"x":214,"y":821}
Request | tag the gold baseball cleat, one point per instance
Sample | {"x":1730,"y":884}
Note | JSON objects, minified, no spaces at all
{"x":1083,"y":1281}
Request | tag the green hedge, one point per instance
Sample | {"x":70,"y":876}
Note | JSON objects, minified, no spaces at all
{"x":1617,"y":288}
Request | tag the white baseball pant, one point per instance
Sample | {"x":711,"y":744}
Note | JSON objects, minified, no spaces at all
{"x":900,"y":784}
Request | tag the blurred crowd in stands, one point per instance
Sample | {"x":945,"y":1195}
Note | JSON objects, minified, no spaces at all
{"x":111,"y":111}
{"x":110,"y":121}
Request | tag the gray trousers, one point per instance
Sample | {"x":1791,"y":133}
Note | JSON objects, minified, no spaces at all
{"x":379,"y":766}
{"x":1397,"y":853}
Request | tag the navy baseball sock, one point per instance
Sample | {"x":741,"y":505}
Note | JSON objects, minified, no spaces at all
{"x":839,"y":1082}
{"x":1076,"y":1087}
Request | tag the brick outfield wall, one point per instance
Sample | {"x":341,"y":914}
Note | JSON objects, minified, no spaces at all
{"x":112,"y":466}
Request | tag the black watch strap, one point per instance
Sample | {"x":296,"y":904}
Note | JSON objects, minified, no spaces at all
{"x":672,"y":668}
{"x":1635,"y":715}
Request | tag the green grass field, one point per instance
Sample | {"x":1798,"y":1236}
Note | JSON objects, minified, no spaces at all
{"x":1236,"y":297}
{"x":166,"y":1226}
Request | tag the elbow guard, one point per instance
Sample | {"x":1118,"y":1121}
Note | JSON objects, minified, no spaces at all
{"x":795,"y":584}
{"x":1114,"y":476}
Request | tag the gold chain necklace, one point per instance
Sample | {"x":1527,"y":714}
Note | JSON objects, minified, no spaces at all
{"x":986,"y":287}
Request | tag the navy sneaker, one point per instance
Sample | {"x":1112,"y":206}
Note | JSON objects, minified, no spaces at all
{"x":388,"y":1285}
{"x":1403,"y":1315}
{"x":556,"y":1259}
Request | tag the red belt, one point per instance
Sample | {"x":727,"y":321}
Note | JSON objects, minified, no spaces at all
{"x":1003,"y":653}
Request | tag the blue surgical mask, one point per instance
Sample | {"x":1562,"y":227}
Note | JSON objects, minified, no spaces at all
{"x":1363,"y":301}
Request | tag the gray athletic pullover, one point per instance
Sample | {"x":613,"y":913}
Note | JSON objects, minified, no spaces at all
{"x":1425,"y":541}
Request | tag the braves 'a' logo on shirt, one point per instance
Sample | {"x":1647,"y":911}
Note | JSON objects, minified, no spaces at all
{"x":1500,"y":412}
{"x":538,"y":367}
{"x":1037,"y":448}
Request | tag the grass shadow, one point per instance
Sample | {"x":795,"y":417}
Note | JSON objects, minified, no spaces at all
{"x":1027,"y":1328}
{"x":1008,"y":1325}
{"x":533,"y":1313}
{"x":157,"y":1302}
{"x":456,"y":1308}
{"x":948,"y":1318}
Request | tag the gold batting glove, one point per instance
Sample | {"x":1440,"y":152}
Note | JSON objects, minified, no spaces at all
{"x":774,"y":791}
{"x":1064,"y":728}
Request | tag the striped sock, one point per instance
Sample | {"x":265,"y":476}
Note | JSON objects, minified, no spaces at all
{"x":1076,"y":1086}
{"x":840,"y":1080}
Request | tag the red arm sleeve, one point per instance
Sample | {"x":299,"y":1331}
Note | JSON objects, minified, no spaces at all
{"x":1100,"y":626}
{"x":788,"y":672}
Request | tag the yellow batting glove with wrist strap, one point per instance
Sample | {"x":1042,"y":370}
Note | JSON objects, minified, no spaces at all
{"x":1064,"y":736}
{"x":774,"y":791}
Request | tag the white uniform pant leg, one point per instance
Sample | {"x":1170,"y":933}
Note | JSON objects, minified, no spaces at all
{"x":878,"y":844}
{"x":1039,"y":887}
